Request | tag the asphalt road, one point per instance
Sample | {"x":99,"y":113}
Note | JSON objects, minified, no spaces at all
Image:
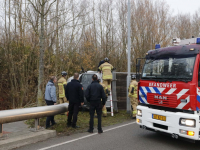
{"x":126,"y":136}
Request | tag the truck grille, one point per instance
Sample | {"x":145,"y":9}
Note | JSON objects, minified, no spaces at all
{"x":160,"y":126}
{"x":162,"y":100}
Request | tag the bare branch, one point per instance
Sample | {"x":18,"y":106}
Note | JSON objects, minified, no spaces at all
{"x":34,"y":7}
{"x":49,"y":7}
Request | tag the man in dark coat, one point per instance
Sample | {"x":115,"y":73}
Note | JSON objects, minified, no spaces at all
{"x":97,"y":98}
{"x":75,"y":96}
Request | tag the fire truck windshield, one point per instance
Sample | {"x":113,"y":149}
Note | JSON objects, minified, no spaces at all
{"x":169,"y":69}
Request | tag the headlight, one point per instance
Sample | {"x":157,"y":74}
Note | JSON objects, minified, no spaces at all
{"x":187,"y":122}
{"x":139,"y":112}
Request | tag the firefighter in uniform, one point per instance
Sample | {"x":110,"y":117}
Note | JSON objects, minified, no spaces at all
{"x":133,"y":95}
{"x":104,"y":110}
{"x":62,"y":82}
{"x":106,"y":69}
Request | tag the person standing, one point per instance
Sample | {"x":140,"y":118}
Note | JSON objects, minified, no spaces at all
{"x":104,"y":109}
{"x":62,"y":83}
{"x":133,"y":95}
{"x":50,"y":98}
{"x":74,"y":93}
{"x":97,"y":98}
{"x":106,"y":69}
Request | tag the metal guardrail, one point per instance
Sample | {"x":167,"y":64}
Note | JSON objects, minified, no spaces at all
{"x":125,"y":72}
{"x":7,"y":116}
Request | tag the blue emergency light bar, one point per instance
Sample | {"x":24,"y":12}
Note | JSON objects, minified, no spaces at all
{"x":198,"y":41}
{"x":157,"y":46}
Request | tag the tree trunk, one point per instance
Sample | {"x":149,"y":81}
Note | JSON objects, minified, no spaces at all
{"x":41,"y":60}
{"x":57,"y":39}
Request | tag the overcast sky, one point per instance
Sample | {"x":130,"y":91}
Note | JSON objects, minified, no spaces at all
{"x":183,"y":6}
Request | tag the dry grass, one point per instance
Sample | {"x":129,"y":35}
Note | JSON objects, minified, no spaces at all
{"x":83,"y":122}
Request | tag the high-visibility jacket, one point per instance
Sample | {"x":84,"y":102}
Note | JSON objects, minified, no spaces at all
{"x":104,"y":110}
{"x":133,"y":89}
{"x":105,"y":89}
{"x":61,"y":83}
{"x":106,"y":69}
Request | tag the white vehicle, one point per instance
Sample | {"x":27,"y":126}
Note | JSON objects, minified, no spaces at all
{"x":86,"y":79}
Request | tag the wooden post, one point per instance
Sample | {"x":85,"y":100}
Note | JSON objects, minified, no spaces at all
{"x":1,"y":130}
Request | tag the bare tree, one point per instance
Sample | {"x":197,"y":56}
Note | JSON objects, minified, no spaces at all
{"x":39,"y":8}
{"x":44,"y":37}
{"x":183,"y":26}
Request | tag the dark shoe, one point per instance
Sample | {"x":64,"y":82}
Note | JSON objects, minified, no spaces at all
{"x":133,"y":117}
{"x":100,"y":131}
{"x":47,"y":127}
{"x":68,"y":125}
{"x":75,"y":127}
{"x":90,"y":131}
{"x":54,"y":123}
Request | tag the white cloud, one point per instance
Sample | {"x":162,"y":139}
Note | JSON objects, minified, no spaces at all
{"x":183,"y":6}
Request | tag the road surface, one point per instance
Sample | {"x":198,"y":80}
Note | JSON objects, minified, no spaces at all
{"x":125,"y":136}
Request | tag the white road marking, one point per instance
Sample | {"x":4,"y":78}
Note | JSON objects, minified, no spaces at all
{"x":56,"y":145}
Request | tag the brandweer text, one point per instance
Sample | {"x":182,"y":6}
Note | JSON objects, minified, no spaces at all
{"x":163,"y":85}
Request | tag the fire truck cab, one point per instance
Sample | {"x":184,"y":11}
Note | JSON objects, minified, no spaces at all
{"x":169,"y":90}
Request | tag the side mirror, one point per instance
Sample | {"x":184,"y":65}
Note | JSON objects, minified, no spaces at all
{"x":138,"y":77}
{"x":138,"y":70}
{"x":138,"y":66}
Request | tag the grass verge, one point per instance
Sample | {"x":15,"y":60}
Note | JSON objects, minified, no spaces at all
{"x":83,"y":122}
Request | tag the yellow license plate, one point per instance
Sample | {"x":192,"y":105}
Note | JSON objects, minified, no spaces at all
{"x":159,"y":117}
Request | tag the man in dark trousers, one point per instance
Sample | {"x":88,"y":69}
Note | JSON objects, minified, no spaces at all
{"x":75,"y":96}
{"x":50,"y":98}
{"x":97,"y":98}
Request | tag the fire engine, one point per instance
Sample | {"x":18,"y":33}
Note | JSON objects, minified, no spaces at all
{"x":169,"y":90}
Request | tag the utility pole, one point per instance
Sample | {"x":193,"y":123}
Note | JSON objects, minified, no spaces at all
{"x":129,"y":55}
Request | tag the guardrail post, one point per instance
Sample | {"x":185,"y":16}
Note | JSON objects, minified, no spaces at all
{"x":1,"y":130}
{"x":37,"y":124}
{"x":114,"y":94}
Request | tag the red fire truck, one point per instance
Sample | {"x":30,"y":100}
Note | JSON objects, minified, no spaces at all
{"x":169,"y":90}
